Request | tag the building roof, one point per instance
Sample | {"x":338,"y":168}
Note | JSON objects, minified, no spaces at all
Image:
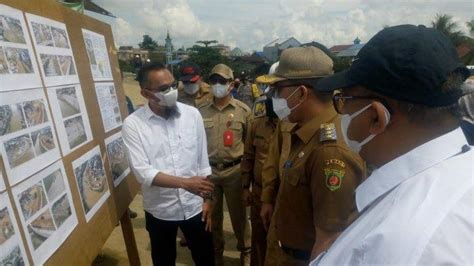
{"x":338,"y":48}
{"x":320,"y":46}
{"x":351,"y":51}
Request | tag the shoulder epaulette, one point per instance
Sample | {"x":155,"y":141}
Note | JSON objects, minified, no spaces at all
{"x":242,"y":105}
{"x":327,"y":132}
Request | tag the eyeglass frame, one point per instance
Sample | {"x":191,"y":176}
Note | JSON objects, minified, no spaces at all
{"x":164,"y":88}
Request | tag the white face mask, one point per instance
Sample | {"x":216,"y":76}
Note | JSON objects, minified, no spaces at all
{"x":220,"y":91}
{"x":280,"y":106}
{"x":167,"y":99}
{"x":356,"y":146}
{"x":191,"y":88}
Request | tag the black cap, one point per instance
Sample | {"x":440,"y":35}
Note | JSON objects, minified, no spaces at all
{"x":190,"y":72}
{"x":408,"y":63}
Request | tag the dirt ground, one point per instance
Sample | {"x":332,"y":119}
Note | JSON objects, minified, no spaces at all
{"x":114,"y":252}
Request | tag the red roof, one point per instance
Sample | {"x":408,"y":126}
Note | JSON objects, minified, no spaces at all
{"x":463,"y":49}
{"x":338,"y":48}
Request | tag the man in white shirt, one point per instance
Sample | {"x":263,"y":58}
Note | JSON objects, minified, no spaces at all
{"x":399,"y":105}
{"x":167,"y":150}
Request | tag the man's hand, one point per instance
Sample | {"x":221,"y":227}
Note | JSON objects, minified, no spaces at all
{"x":198,"y":185}
{"x":266,"y":214}
{"x":247,"y":197}
{"x":207,"y":214}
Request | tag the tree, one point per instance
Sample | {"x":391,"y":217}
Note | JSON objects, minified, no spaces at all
{"x":470,"y":26}
{"x":206,"y":43}
{"x":148,"y":43}
{"x":445,"y":24}
{"x":206,"y":58}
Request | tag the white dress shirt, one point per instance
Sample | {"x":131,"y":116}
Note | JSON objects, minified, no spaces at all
{"x":176,"y":146}
{"x":417,"y":209}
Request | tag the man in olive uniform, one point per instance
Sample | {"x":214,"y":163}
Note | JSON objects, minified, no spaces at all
{"x":315,"y":199}
{"x":192,"y":90}
{"x":225,"y":121}
{"x":257,"y":142}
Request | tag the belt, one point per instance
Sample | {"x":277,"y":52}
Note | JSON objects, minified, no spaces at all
{"x":225,"y":165}
{"x":296,"y":253}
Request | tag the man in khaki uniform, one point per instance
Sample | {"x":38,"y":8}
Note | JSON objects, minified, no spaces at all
{"x":256,"y":149}
{"x":192,"y":90}
{"x":225,"y":121}
{"x":317,"y":172}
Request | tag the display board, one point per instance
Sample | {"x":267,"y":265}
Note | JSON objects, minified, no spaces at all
{"x":64,"y":180}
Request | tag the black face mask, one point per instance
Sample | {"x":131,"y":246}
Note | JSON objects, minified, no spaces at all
{"x":269,"y":108}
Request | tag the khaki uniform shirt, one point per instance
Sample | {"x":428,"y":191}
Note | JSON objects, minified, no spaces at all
{"x":234,"y":116}
{"x":202,"y":97}
{"x":257,"y":142}
{"x":317,"y":182}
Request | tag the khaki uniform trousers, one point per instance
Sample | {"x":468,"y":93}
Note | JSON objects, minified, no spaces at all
{"x":259,"y":234}
{"x":228,"y":183}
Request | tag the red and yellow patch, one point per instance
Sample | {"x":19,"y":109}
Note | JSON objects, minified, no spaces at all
{"x":334,"y":178}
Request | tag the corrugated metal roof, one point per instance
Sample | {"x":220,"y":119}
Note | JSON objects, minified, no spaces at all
{"x":351,"y":51}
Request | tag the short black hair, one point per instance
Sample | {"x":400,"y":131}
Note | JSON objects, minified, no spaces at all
{"x":142,"y":75}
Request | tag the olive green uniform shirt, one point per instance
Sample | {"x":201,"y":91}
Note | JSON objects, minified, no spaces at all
{"x":317,"y":179}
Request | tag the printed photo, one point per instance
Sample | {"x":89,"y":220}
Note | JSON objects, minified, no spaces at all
{"x":19,"y":150}
{"x":50,"y":65}
{"x":60,"y":37}
{"x":3,"y":63}
{"x":10,"y":30}
{"x":117,"y":158}
{"x":19,"y":61}
{"x":54,"y":185}
{"x":75,"y":131}
{"x":67,"y":65}
{"x":68,"y":102}
{"x":11,"y":119}
{"x":13,"y":258}
{"x":6,"y":226}
{"x":32,"y":200}
{"x":61,"y":210}
{"x":90,"y":51}
{"x":42,"y":34}
{"x":41,"y":229}
{"x":42,"y":140}
{"x":92,"y":181}
{"x":35,"y":112}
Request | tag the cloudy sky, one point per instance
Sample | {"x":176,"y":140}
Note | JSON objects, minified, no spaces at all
{"x":251,"y":24}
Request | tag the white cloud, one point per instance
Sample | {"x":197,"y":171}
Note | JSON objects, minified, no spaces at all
{"x":250,"y":24}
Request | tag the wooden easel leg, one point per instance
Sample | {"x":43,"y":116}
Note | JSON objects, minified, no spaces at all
{"x":129,"y":237}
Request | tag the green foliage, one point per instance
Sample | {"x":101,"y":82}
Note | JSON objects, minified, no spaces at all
{"x":450,"y":28}
{"x":341,"y":63}
{"x":157,"y":57}
{"x":126,"y":66}
{"x":470,"y":26}
{"x":148,"y":43}
{"x":206,"y":58}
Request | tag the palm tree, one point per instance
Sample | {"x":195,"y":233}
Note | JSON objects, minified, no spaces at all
{"x":470,"y":26}
{"x":446,"y":25}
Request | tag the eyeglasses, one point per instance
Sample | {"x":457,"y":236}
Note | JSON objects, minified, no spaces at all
{"x":214,"y":79}
{"x":164,"y":88}
{"x":339,"y":100}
